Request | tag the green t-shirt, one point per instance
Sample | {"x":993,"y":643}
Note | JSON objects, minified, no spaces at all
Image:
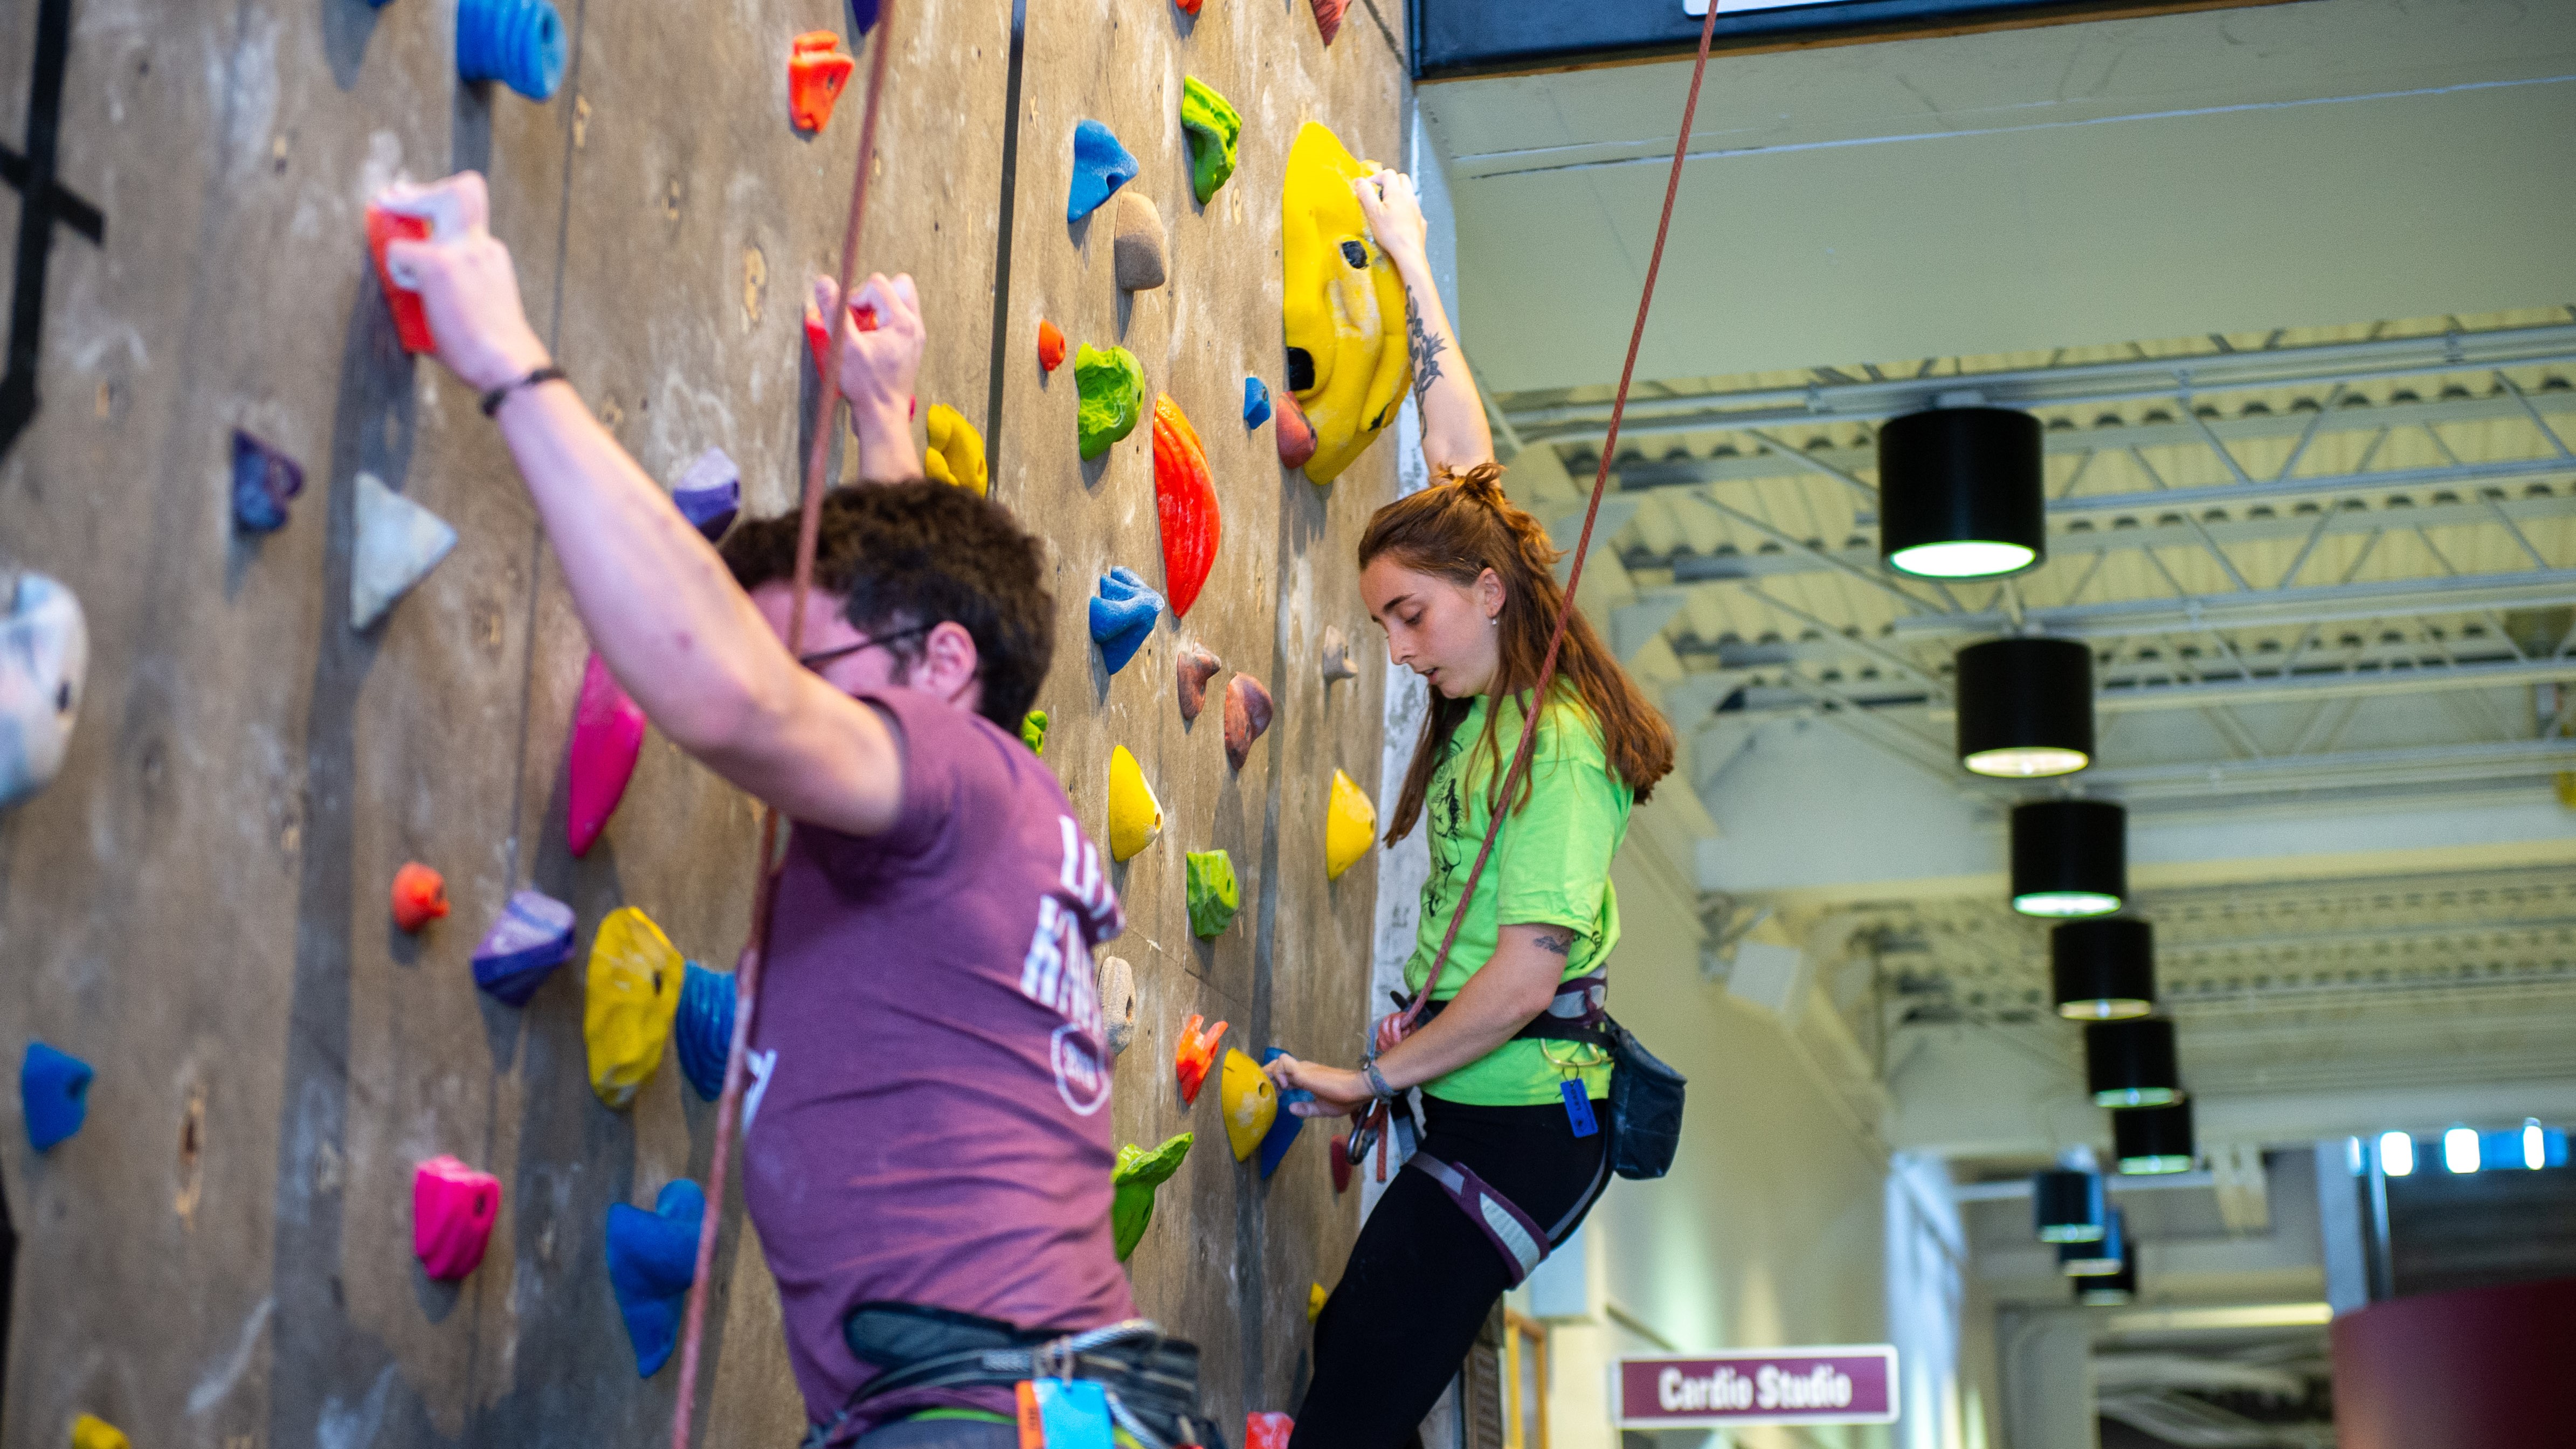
{"x":1551,"y":866}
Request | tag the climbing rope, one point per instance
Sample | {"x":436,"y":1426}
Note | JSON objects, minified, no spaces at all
{"x":764,"y":910}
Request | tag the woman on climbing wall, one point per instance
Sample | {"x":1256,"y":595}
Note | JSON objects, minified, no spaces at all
{"x":1509,"y":1051}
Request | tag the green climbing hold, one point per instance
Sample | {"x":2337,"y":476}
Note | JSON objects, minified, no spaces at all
{"x":1138,"y":1173}
{"x":1214,"y":897}
{"x":1213,"y":127}
{"x":1113,"y":394}
{"x":1033,"y":731}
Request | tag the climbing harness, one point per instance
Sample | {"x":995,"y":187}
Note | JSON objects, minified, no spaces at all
{"x":1515,"y":1234}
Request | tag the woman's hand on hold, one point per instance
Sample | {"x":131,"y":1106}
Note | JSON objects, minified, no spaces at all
{"x":1338,"y":1092}
{"x":1393,"y":207}
{"x":465,"y":281}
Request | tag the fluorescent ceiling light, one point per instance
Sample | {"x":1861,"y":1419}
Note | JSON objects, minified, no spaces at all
{"x":2396,"y":1154}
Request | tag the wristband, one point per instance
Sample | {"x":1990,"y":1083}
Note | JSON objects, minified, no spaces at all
{"x":1377,"y":1082}
{"x":492,"y":400}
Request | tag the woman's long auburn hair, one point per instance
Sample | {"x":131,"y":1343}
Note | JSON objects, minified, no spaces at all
{"x":1455,"y":530}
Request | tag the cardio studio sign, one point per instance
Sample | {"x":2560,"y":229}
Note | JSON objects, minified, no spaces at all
{"x":1844,"y":1384}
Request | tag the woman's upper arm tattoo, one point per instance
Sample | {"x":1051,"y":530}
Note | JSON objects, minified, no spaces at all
{"x":1555,"y":943}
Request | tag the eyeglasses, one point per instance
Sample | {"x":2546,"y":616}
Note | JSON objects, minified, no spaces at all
{"x":817,"y":660}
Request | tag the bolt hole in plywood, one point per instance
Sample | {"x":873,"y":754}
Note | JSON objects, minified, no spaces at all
{"x":192,"y":1146}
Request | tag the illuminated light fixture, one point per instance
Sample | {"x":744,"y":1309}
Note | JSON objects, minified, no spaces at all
{"x":2069,"y":1207}
{"x":2069,"y":858}
{"x":1960,"y":493}
{"x":2103,"y":969}
{"x":2025,"y":708}
{"x":2108,"y":1290}
{"x":2131,"y":1063}
{"x":2099,"y":1258}
{"x":2396,"y":1154}
{"x":2149,"y":1140}
{"x":2460,"y":1150}
{"x":2535,"y":1144}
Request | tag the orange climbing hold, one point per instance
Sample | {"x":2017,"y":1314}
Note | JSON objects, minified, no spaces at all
{"x":1050,"y":345}
{"x":420,"y":896}
{"x":411,"y":319}
{"x":817,"y":68}
{"x":1185,"y":497}
{"x":1197,"y":1053}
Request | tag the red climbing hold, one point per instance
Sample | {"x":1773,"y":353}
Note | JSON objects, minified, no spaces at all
{"x":1050,"y":346}
{"x":1196,"y":1054}
{"x":1267,"y":1431}
{"x":420,"y":896}
{"x":607,"y":733}
{"x":1189,"y":7}
{"x":1185,"y":497}
{"x":411,"y":319}
{"x":1247,"y":714}
{"x":1296,"y":435}
{"x":817,"y":68}
{"x":1328,"y":17}
{"x":1341,"y":1162}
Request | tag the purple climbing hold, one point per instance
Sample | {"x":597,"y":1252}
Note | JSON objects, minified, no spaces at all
{"x":265,"y":480}
{"x":1100,"y":167}
{"x":532,"y":938}
{"x":1256,"y":402}
{"x":863,"y":15}
{"x":54,"y":1088}
{"x":709,"y":495}
{"x":1122,"y":617}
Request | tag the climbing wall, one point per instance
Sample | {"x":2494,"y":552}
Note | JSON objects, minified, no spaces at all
{"x":197,"y":907}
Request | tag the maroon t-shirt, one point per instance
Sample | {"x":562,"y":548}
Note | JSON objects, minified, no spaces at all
{"x":928,"y":1114}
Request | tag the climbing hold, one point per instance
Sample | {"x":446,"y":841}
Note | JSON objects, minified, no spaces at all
{"x":1213,"y":895}
{"x":1100,"y":167}
{"x":453,"y":1208}
{"x":1050,"y":346}
{"x":709,"y":494}
{"x":652,"y":1260}
{"x":1341,"y":1157}
{"x":1196,"y":1053}
{"x":420,"y":896}
{"x":265,"y":480}
{"x":817,"y":68}
{"x":1267,"y":1431}
{"x":1122,"y":616}
{"x":1116,"y":988}
{"x":1285,"y":1126}
{"x":1336,"y":655}
{"x":1196,"y":666}
{"x":44,"y":659}
{"x":1342,"y":304}
{"x":1112,"y":387}
{"x":1135,"y":816}
{"x":532,"y":938}
{"x":1185,"y":501}
{"x":628,"y":1002}
{"x":1350,"y":827}
{"x":1314,"y":1301}
{"x":1250,"y":1102}
{"x":956,"y":452}
{"x":1132,"y":1183}
{"x":1296,"y":436}
{"x":1033,"y":728}
{"x":863,"y":15}
{"x":411,"y":318}
{"x":518,"y":42}
{"x":1328,"y":17}
{"x":1189,"y":7}
{"x":53,"y":1090}
{"x":92,"y":1432}
{"x":702,"y":1033}
{"x":1256,"y":402}
{"x":1247,"y":714}
{"x":1136,"y":253}
{"x":1212,"y":127}
{"x":607,"y":734}
{"x":399,"y":542}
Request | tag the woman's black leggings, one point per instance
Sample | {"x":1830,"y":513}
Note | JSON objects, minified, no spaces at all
{"x":1422,"y":1277}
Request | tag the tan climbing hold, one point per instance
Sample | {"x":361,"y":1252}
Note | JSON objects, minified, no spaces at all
{"x":1337,"y":655}
{"x":1138,"y":249}
{"x":1117,"y":988}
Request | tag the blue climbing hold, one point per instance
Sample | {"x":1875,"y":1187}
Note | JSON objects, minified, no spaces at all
{"x":709,"y":494}
{"x":532,"y":938}
{"x":517,"y":42}
{"x":652,"y":1260}
{"x":265,"y":480}
{"x":55,"y":1089}
{"x":1100,"y":167}
{"x":1283,"y":1127}
{"x":1256,"y":402}
{"x":1122,"y":617}
{"x":703,"y":1031}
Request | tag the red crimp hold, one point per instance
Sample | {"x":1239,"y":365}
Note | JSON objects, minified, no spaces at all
{"x":1267,"y":1431}
{"x":1295,"y":435}
{"x":1050,"y":346}
{"x":818,"y":338}
{"x":1197,"y":1053}
{"x":1341,"y":1162}
{"x":817,"y":68}
{"x":420,"y":896}
{"x":1185,"y":497}
{"x":1328,"y":17}
{"x":411,"y":320}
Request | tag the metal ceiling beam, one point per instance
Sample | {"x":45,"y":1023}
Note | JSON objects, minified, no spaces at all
{"x":2264,"y":608}
{"x":2429,"y":765}
{"x":2416,"y":678}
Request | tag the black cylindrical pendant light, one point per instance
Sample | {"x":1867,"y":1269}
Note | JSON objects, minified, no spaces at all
{"x":2025,"y":707}
{"x":2068,"y":1206}
{"x":2103,"y":969}
{"x":2131,"y":1063}
{"x":2108,"y":1290}
{"x":2100,"y":1257}
{"x":2069,"y":857}
{"x":1960,"y":494}
{"x":2154,"y":1139}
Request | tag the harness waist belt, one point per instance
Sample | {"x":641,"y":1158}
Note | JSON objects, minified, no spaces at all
{"x":1578,"y":1013}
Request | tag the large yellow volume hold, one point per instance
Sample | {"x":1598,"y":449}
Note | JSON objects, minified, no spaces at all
{"x":1350,"y":827}
{"x":628,"y":1001}
{"x":1135,"y":816}
{"x":1342,"y":305}
{"x":1251,"y":1103}
{"x":92,"y":1432}
{"x":956,"y":452}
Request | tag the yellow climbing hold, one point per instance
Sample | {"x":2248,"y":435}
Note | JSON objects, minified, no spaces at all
{"x":956,"y":450}
{"x":1251,"y":1103}
{"x":1350,"y":827}
{"x":628,"y":1002}
{"x":1314,"y":1301}
{"x":91,"y":1432}
{"x":1135,"y":816}
{"x":1342,"y":305}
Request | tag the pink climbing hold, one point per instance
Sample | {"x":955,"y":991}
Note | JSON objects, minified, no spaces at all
{"x":607,"y":733}
{"x":1267,"y":1431}
{"x":1196,"y":665}
{"x":453,"y":1208}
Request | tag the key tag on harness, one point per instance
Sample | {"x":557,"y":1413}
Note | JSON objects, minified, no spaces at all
{"x":1063,"y":1414}
{"x":1578,"y":1107}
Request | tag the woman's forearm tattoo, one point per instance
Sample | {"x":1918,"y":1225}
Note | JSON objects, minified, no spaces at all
{"x":1426,"y":351}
